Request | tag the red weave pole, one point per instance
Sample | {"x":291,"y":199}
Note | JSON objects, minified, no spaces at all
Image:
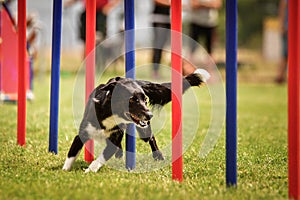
{"x":21,"y":72}
{"x":176,"y":45}
{"x":90,"y":65}
{"x":294,"y":99}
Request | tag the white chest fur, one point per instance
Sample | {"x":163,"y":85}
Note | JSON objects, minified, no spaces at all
{"x":109,"y":123}
{"x":112,"y":121}
{"x":95,"y":133}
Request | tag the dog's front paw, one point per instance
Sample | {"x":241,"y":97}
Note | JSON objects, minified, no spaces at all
{"x":94,"y":167}
{"x":66,"y":167}
{"x":119,"y":153}
{"x":87,"y":170}
{"x":157,"y":155}
{"x":68,"y":163}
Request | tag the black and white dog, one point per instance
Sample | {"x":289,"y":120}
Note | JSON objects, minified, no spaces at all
{"x":121,"y":101}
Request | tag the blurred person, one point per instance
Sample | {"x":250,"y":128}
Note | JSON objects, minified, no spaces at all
{"x":161,"y":24}
{"x":283,"y":25}
{"x":32,"y":32}
{"x":103,"y":8}
{"x":32,"y":26}
{"x":204,"y":19}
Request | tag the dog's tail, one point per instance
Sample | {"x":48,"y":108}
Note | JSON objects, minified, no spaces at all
{"x":160,"y":94}
{"x":198,"y":78}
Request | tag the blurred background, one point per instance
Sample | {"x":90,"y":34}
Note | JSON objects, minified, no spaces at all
{"x":258,"y":34}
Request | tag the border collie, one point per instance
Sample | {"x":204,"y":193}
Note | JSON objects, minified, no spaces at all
{"x":112,"y":106}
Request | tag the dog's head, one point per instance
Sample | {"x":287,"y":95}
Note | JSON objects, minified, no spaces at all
{"x":128,"y":101}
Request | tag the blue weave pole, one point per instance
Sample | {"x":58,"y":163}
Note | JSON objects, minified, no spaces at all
{"x":130,"y":73}
{"x":55,"y":74}
{"x":231,"y":92}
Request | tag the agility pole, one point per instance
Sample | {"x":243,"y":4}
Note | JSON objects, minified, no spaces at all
{"x":22,"y":72}
{"x":176,"y":60}
{"x":294,"y":99}
{"x":55,"y":75}
{"x":90,"y":66}
{"x":231,"y":92}
{"x":130,"y":73}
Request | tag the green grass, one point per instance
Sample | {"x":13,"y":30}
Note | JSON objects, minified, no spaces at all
{"x":33,"y":173}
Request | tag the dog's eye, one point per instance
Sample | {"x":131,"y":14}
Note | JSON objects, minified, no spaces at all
{"x":133,"y":99}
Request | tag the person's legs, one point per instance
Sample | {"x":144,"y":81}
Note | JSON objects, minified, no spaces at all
{"x":281,"y":76}
{"x":281,"y":71}
{"x":161,"y":36}
{"x":101,"y":26}
{"x":208,"y":34}
{"x":194,"y":34}
{"x":208,"y":39}
{"x":101,"y":52}
{"x":157,"y":51}
{"x":82,"y":27}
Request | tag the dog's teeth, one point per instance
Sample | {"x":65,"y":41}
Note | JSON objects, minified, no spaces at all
{"x":143,"y":123}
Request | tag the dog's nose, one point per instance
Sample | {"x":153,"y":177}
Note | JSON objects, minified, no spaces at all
{"x":149,"y":115}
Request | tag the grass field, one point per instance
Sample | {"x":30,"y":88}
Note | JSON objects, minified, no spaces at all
{"x":33,"y":173}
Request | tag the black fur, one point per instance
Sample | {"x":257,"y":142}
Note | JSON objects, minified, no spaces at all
{"x":125,"y":99}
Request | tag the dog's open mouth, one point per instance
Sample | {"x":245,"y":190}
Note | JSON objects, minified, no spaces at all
{"x":137,"y":120}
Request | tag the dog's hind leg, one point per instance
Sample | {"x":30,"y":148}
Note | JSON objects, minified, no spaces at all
{"x":112,"y":144}
{"x":146,"y":135}
{"x":74,"y":151}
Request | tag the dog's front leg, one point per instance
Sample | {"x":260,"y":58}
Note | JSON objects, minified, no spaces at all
{"x":112,"y":144}
{"x":119,"y":153}
{"x":156,"y":153}
{"x":74,"y":151}
{"x":146,"y":135}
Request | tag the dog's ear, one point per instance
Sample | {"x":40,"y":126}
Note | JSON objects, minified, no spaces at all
{"x":104,"y":92}
{"x":113,"y":80}
{"x":110,"y":85}
{"x":102,"y":96}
